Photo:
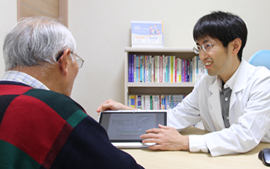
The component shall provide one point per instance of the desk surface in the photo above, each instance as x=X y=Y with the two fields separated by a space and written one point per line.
x=186 y=160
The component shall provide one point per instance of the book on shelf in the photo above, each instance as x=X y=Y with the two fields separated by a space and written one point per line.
x=160 y=69
x=164 y=69
x=132 y=101
x=142 y=68
x=147 y=33
x=156 y=68
x=155 y=102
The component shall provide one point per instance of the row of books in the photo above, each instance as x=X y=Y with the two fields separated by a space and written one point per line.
x=154 y=102
x=164 y=69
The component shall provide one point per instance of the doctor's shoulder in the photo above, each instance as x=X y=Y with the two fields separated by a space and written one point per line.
x=259 y=74
x=205 y=80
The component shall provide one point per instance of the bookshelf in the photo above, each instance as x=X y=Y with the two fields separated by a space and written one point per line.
x=154 y=88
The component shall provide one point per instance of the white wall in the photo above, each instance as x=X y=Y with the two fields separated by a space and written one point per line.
x=8 y=19
x=102 y=30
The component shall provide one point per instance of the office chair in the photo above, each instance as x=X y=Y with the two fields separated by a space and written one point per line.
x=261 y=58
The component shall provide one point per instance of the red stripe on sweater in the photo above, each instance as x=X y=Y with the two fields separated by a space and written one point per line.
x=31 y=125
x=13 y=89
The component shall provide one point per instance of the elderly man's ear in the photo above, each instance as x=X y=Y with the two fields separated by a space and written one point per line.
x=64 y=61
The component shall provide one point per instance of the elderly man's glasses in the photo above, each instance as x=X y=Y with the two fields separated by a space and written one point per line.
x=206 y=47
x=79 y=60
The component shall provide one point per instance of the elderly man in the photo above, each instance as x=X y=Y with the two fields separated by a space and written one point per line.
x=41 y=126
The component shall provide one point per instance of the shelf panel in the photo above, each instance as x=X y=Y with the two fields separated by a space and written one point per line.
x=183 y=53
x=150 y=84
x=159 y=90
x=167 y=49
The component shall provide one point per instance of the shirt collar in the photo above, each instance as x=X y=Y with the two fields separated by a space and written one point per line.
x=17 y=76
x=230 y=83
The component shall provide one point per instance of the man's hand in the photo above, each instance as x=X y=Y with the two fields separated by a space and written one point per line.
x=113 y=105
x=166 y=138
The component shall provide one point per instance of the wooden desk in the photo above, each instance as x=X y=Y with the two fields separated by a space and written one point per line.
x=186 y=160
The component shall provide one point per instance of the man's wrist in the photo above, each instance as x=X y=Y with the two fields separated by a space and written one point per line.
x=186 y=143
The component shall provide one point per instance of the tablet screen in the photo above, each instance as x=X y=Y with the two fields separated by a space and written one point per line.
x=129 y=126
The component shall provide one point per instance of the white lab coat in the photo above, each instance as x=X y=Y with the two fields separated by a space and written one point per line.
x=249 y=113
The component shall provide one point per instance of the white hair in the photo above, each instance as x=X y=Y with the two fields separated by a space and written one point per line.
x=35 y=41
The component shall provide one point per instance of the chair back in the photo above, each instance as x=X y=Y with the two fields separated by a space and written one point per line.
x=261 y=58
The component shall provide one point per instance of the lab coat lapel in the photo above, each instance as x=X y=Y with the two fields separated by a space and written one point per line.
x=240 y=82
x=215 y=107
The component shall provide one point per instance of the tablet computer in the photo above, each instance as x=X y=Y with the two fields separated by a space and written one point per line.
x=124 y=127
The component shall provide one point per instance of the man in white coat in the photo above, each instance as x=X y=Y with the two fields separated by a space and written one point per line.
x=232 y=100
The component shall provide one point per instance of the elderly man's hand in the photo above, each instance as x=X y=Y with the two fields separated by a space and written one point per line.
x=113 y=105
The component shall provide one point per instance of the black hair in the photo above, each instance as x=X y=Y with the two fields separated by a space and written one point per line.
x=222 y=25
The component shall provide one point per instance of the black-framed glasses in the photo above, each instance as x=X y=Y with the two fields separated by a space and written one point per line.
x=206 y=47
x=79 y=60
